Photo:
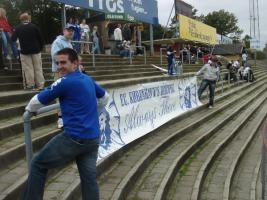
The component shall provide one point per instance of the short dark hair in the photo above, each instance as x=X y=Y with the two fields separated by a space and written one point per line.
x=71 y=53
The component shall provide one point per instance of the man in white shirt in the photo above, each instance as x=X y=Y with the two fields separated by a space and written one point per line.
x=118 y=37
x=244 y=59
x=118 y=34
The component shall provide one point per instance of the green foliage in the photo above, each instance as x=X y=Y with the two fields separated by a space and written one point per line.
x=265 y=49
x=157 y=30
x=261 y=55
x=246 y=40
x=225 y=23
x=45 y=14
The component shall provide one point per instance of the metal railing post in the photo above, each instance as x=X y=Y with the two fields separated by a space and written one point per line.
x=161 y=57
x=143 y=47
x=27 y=130
x=161 y=61
x=93 y=57
x=131 y=59
x=189 y=54
x=10 y=64
x=28 y=139
x=222 y=87
x=229 y=80
x=90 y=43
x=145 y=55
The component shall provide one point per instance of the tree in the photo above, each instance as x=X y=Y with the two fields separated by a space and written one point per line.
x=45 y=14
x=246 y=41
x=265 y=48
x=158 y=31
x=225 y=23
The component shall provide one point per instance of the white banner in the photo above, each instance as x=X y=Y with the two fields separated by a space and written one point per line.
x=137 y=110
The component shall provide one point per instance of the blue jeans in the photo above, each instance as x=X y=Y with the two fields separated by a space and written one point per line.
x=203 y=86
x=7 y=40
x=59 y=151
x=96 y=48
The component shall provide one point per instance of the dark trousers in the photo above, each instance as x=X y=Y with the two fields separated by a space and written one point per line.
x=170 y=66
x=60 y=151
x=204 y=84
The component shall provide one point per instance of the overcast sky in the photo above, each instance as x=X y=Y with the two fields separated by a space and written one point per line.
x=239 y=7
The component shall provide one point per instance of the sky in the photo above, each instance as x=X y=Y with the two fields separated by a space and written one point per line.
x=239 y=7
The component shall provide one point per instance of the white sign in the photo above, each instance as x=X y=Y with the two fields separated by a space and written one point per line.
x=137 y=110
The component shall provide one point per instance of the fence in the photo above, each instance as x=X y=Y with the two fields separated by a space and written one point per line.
x=89 y=43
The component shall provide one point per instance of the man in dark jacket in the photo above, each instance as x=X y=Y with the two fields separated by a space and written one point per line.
x=31 y=44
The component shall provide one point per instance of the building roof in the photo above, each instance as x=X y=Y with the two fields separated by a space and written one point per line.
x=228 y=49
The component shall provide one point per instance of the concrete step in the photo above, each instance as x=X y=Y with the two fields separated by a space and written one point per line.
x=249 y=164
x=16 y=96
x=62 y=172
x=202 y=158
x=14 y=126
x=224 y=164
x=18 y=85
x=152 y=166
x=4 y=95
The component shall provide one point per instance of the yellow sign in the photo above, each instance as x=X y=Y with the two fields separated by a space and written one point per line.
x=194 y=30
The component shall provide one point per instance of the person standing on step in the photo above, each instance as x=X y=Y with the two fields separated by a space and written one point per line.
x=171 y=60
x=210 y=73
x=77 y=36
x=31 y=44
x=6 y=35
x=118 y=38
x=80 y=100
x=61 y=42
x=85 y=37
x=95 y=38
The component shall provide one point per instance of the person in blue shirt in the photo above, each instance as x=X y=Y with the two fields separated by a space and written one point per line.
x=80 y=100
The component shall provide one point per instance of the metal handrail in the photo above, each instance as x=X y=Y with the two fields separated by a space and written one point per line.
x=143 y=47
x=27 y=129
x=161 y=55
x=90 y=43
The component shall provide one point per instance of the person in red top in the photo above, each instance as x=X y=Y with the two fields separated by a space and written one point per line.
x=206 y=58
x=6 y=35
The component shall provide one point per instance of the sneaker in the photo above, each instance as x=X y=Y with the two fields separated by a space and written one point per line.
x=8 y=57
x=5 y=68
x=59 y=123
x=210 y=107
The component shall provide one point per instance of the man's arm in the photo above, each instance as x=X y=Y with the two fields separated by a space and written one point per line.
x=46 y=96
x=34 y=104
x=102 y=97
x=201 y=70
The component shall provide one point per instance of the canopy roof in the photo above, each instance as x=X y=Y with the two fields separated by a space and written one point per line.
x=141 y=10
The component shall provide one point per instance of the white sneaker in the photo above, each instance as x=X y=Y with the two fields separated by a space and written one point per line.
x=59 y=123
x=8 y=57
x=210 y=107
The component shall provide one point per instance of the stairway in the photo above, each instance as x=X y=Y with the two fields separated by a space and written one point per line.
x=128 y=170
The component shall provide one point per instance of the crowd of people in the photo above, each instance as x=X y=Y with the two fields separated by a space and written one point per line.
x=239 y=71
